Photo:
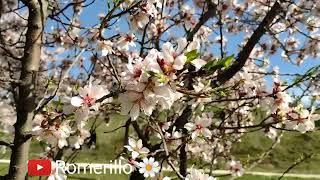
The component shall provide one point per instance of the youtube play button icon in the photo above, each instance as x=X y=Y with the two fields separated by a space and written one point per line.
x=39 y=167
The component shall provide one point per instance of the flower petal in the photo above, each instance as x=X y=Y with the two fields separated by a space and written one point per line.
x=206 y=132
x=198 y=63
x=139 y=144
x=76 y=101
x=179 y=62
x=145 y=160
x=190 y=126
x=182 y=43
x=146 y=174
x=151 y=160
x=134 y=154
x=152 y=174
x=135 y=111
x=132 y=143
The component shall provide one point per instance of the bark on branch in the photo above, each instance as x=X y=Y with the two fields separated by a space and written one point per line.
x=179 y=124
x=211 y=12
x=247 y=49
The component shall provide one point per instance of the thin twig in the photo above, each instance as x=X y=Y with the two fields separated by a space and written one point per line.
x=296 y=164
x=167 y=152
x=44 y=101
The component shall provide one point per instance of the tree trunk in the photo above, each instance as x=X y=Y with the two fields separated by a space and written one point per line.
x=26 y=103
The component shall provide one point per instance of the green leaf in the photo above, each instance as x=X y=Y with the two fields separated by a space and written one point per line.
x=161 y=77
x=222 y=94
x=225 y=62
x=151 y=73
x=192 y=55
x=59 y=104
x=212 y=66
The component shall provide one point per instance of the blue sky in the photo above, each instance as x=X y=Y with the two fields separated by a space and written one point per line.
x=89 y=17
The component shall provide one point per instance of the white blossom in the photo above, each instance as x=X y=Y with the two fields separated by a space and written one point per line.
x=198 y=175
x=136 y=148
x=199 y=127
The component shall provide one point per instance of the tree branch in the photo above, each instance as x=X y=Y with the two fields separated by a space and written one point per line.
x=211 y=12
x=3 y=143
x=304 y=158
x=246 y=51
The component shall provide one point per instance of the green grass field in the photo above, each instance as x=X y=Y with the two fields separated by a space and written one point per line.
x=291 y=148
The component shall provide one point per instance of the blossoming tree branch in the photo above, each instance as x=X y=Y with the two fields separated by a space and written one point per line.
x=191 y=78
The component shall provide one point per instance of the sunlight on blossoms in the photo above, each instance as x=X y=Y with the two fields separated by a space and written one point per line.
x=172 y=89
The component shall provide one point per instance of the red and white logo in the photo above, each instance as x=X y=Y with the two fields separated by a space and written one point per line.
x=39 y=167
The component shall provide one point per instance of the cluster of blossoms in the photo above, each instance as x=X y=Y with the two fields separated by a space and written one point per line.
x=148 y=166
x=51 y=129
x=200 y=127
x=146 y=11
x=55 y=133
x=284 y=111
x=154 y=85
x=56 y=127
x=235 y=168
x=301 y=119
x=151 y=82
x=87 y=98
